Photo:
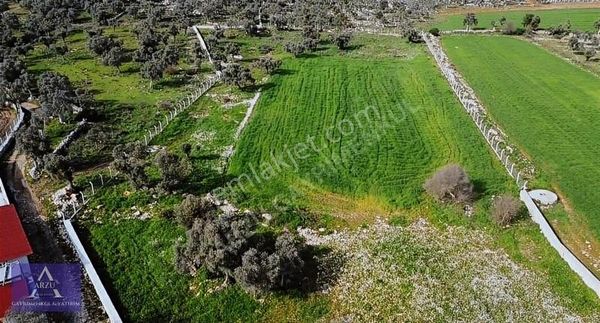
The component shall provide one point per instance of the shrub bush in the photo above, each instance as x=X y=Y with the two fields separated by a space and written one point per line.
x=434 y=31
x=450 y=184
x=505 y=209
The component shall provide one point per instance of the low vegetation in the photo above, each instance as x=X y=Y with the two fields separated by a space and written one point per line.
x=450 y=184
x=551 y=120
x=579 y=19
x=419 y=272
x=356 y=127
x=505 y=209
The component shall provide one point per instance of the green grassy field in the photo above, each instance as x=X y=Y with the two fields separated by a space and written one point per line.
x=420 y=127
x=123 y=97
x=137 y=257
x=415 y=127
x=549 y=107
x=581 y=19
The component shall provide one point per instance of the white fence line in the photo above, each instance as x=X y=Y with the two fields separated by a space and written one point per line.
x=70 y=137
x=475 y=109
x=7 y=137
x=3 y=197
x=107 y=303
x=181 y=106
x=4 y=143
x=589 y=279
x=202 y=42
x=477 y=112
x=251 y=105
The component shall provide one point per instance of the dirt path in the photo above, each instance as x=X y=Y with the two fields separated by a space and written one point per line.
x=45 y=237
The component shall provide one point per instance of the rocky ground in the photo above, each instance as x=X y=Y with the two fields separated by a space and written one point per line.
x=421 y=273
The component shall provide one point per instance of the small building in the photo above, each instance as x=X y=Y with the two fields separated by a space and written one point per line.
x=14 y=249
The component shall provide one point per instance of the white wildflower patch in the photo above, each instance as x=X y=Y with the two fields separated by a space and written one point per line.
x=421 y=273
x=204 y=136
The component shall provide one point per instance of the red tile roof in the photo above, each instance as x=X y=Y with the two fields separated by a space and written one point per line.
x=13 y=242
x=9 y=293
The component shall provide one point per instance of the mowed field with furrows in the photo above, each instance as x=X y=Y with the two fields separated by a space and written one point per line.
x=549 y=107
x=414 y=126
x=580 y=19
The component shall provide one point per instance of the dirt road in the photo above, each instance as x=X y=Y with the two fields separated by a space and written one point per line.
x=45 y=238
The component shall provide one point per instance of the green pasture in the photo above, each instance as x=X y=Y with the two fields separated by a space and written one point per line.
x=581 y=19
x=360 y=127
x=123 y=97
x=549 y=107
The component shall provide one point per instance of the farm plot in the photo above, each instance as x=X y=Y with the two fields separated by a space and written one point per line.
x=581 y=19
x=362 y=128
x=549 y=107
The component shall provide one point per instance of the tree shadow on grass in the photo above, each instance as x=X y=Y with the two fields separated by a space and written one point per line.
x=284 y=71
x=354 y=47
x=174 y=82
x=101 y=267
x=479 y=186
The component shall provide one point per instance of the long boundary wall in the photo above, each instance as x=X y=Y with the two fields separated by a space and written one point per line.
x=576 y=265
x=4 y=143
x=477 y=112
x=7 y=138
x=108 y=305
x=475 y=109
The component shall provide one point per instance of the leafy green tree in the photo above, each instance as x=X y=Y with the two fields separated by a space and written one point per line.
x=153 y=70
x=282 y=269
x=217 y=243
x=268 y=64
x=15 y=81
x=470 y=20
x=237 y=75
x=295 y=49
x=57 y=96
x=114 y=57
x=130 y=159
x=33 y=141
x=173 y=168
x=531 y=22
x=58 y=166
x=191 y=208
x=100 y=44
x=342 y=40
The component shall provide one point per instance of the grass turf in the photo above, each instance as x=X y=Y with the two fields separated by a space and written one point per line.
x=549 y=107
x=415 y=127
x=138 y=258
x=581 y=19
x=123 y=97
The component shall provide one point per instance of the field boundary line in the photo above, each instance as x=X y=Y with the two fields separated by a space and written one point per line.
x=466 y=95
x=107 y=303
x=589 y=279
x=467 y=98
x=9 y=135
x=251 y=104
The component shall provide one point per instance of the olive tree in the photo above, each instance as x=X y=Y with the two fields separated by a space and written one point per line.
x=130 y=159
x=470 y=20
x=450 y=184
x=505 y=209
x=173 y=169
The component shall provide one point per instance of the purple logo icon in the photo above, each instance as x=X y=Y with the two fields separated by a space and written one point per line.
x=49 y=288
